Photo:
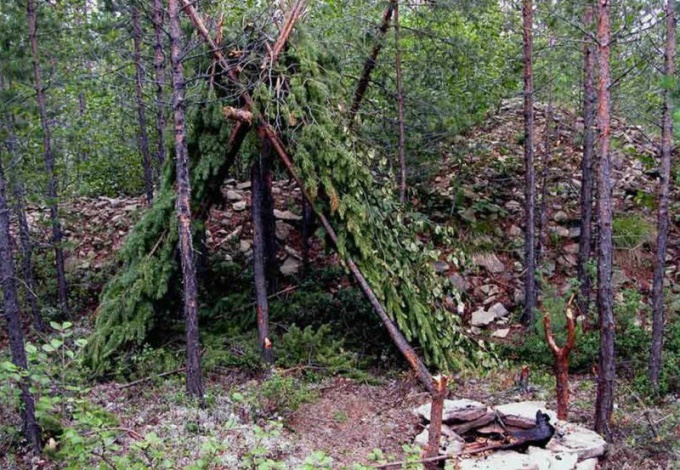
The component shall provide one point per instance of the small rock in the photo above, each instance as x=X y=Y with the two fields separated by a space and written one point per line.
x=489 y=261
x=513 y=206
x=239 y=206
x=234 y=195
x=523 y=414
x=245 y=246
x=559 y=231
x=498 y=310
x=286 y=215
x=459 y=282
x=502 y=333
x=574 y=232
x=568 y=260
x=454 y=410
x=573 y=438
x=244 y=185
x=290 y=266
x=572 y=248
x=283 y=230
x=560 y=216
x=292 y=252
x=515 y=231
x=441 y=266
x=482 y=318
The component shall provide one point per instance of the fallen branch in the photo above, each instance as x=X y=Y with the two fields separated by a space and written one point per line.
x=146 y=379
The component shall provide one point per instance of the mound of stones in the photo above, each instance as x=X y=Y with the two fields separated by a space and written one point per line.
x=470 y=424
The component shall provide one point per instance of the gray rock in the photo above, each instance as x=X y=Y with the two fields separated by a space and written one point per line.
x=548 y=460
x=441 y=266
x=244 y=185
x=292 y=252
x=290 y=266
x=245 y=245
x=234 y=195
x=505 y=460
x=523 y=414
x=502 y=333
x=283 y=230
x=286 y=215
x=588 y=464
x=576 y=439
x=568 y=260
x=482 y=318
x=454 y=410
x=513 y=206
x=515 y=231
x=560 y=231
x=239 y=206
x=574 y=232
x=450 y=443
x=560 y=216
x=498 y=310
x=489 y=261
x=459 y=282
x=571 y=248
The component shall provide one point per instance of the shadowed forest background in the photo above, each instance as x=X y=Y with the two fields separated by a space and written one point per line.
x=263 y=234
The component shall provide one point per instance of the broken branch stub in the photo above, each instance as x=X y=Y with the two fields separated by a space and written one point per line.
x=561 y=355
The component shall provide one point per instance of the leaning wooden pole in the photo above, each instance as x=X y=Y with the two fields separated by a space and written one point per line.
x=269 y=134
x=369 y=65
x=396 y=335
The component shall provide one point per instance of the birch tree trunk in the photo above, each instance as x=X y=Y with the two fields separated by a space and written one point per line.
x=607 y=372
x=664 y=191
x=48 y=153
x=183 y=204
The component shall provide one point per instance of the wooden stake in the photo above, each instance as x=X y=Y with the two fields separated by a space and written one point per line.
x=561 y=354
x=436 y=412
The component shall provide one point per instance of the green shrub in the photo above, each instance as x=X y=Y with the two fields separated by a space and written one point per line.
x=631 y=231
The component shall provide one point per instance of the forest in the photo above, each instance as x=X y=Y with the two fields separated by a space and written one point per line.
x=339 y=234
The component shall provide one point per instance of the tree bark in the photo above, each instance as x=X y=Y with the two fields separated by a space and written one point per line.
x=142 y=136
x=52 y=197
x=159 y=81
x=589 y=99
x=183 y=204
x=546 y=156
x=400 y=101
x=370 y=63
x=260 y=253
x=607 y=371
x=436 y=414
x=663 y=197
x=30 y=426
x=561 y=355
x=530 y=178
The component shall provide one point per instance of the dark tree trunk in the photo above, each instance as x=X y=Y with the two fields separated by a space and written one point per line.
x=400 y=101
x=664 y=190
x=159 y=80
x=307 y=222
x=268 y=220
x=589 y=99
x=546 y=156
x=370 y=63
x=260 y=252
x=142 y=137
x=194 y=384
x=530 y=179
x=52 y=197
x=31 y=429
x=607 y=372
x=24 y=231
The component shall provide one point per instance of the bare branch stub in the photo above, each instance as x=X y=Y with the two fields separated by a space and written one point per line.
x=561 y=355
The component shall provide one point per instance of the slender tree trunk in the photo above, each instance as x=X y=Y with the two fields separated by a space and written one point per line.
x=370 y=63
x=159 y=80
x=260 y=253
x=24 y=231
x=193 y=378
x=30 y=426
x=664 y=191
x=307 y=220
x=400 y=100
x=530 y=179
x=52 y=197
x=589 y=99
x=142 y=137
x=545 y=165
x=607 y=372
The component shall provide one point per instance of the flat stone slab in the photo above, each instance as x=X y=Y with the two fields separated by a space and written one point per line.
x=450 y=443
x=549 y=460
x=576 y=439
x=523 y=414
x=501 y=460
x=455 y=410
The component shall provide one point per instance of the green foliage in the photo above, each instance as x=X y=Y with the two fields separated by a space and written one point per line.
x=278 y=396
x=632 y=231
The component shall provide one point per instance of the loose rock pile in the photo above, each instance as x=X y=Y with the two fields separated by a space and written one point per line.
x=469 y=424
